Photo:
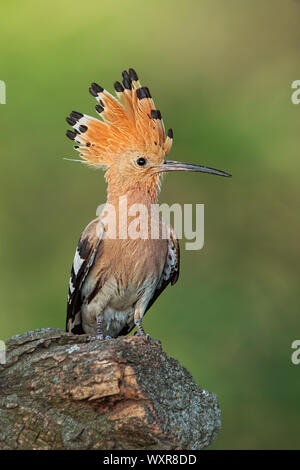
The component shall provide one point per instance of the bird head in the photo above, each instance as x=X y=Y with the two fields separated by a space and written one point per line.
x=129 y=139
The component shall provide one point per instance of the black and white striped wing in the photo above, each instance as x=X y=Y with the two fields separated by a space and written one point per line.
x=84 y=258
x=171 y=270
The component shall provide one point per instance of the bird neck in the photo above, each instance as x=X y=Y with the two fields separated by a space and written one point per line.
x=142 y=192
x=126 y=205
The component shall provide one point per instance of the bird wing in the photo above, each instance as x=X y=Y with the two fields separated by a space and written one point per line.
x=170 y=273
x=83 y=261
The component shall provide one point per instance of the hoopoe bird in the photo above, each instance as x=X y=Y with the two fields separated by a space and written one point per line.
x=115 y=280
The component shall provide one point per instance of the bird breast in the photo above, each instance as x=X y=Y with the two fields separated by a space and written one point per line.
x=125 y=272
x=132 y=263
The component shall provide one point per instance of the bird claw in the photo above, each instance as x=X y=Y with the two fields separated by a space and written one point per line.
x=94 y=338
x=146 y=336
x=101 y=337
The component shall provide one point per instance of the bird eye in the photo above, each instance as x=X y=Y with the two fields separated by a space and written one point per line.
x=141 y=161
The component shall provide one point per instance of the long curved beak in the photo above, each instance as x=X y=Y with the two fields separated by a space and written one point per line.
x=170 y=165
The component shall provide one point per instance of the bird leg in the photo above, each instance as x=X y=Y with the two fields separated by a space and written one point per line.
x=141 y=331
x=138 y=315
x=99 y=330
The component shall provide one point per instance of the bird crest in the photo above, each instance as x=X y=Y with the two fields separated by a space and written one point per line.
x=128 y=123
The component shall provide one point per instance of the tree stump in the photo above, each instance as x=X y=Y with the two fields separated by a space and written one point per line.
x=58 y=391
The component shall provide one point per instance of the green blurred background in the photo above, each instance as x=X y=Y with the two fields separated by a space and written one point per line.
x=221 y=74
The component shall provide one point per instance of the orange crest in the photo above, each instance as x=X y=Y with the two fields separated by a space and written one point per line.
x=129 y=123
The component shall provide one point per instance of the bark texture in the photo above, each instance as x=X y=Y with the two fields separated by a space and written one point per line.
x=58 y=391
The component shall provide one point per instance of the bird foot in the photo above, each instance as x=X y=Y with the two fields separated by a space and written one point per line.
x=101 y=337
x=146 y=336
